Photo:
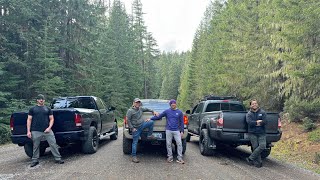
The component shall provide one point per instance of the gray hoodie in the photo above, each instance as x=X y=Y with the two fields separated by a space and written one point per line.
x=134 y=116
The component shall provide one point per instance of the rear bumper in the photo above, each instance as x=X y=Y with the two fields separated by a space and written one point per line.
x=62 y=138
x=239 y=138
x=128 y=135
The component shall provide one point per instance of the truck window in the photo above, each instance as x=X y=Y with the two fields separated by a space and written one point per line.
x=225 y=107
x=199 y=108
x=213 y=107
x=100 y=104
x=237 y=107
x=194 y=109
x=87 y=103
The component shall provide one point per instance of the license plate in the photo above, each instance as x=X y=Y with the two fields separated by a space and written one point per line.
x=157 y=135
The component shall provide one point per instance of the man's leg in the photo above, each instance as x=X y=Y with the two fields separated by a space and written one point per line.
x=135 y=139
x=169 y=143
x=177 y=138
x=53 y=145
x=36 y=138
x=258 y=145
x=149 y=125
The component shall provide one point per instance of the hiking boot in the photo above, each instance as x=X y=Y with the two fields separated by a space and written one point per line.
x=151 y=137
x=135 y=159
x=258 y=164
x=33 y=164
x=59 y=161
x=169 y=160
x=249 y=161
x=180 y=161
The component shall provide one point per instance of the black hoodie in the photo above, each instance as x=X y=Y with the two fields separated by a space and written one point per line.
x=252 y=118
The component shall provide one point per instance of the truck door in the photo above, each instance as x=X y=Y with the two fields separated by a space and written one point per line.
x=195 y=118
x=107 y=116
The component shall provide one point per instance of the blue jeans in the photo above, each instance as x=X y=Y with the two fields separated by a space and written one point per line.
x=137 y=134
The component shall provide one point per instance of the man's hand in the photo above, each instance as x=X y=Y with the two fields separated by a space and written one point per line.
x=181 y=133
x=134 y=129
x=147 y=119
x=29 y=134
x=155 y=113
x=47 y=130
x=259 y=122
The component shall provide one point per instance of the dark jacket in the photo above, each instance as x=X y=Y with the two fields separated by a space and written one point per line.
x=252 y=118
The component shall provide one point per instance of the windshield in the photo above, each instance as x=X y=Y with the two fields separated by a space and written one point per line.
x=156 y=105
x=73 y=102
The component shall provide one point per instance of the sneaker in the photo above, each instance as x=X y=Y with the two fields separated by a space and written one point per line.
x=59 y=161
x=249 y=161
x=180 y=161
x=33 y=164
x=169 y=160
x=135 y=159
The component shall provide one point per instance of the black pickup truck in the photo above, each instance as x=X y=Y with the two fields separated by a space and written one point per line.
x=79 y=120
x=222 y=121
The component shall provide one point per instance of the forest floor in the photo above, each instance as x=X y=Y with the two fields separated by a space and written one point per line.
x=296 y=147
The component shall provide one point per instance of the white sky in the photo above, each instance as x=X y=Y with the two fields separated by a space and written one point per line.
x=173 y=23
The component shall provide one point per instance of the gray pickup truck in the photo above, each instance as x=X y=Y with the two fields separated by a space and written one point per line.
x=222 y=120
x=159 y=128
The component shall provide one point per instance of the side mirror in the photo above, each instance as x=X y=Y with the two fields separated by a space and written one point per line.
x=188 y=112
x=111 y=108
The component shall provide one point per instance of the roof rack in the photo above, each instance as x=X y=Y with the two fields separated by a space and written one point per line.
x=214 y=97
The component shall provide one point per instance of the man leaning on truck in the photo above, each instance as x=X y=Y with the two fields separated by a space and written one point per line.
x=39 y=123
x=137 y=124
x=256 y=119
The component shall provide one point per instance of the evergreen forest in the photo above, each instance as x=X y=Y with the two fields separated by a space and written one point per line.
x=263 y=49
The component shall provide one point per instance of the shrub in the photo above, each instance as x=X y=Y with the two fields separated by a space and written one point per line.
x=4 y=133
x=317 y=158
x=314 y=135
x=308 y=124
x=299 y=109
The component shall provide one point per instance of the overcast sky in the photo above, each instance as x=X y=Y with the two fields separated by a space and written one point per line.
x=173 y=23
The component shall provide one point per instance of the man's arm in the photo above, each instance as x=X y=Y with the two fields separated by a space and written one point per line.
x=250 y=121
x=129 y=115
x=181 y=123
x=144 y=109
x=29 y=120
x=263 y=119
x=50 y=124
x=160 y=116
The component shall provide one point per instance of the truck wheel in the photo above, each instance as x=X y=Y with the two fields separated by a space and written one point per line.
x=265 y=153
x=126 y=145
x=184 y=145
x=28 y=149
x=204 y=143
x=115 y=130
x=188 y=137
x=91 y=144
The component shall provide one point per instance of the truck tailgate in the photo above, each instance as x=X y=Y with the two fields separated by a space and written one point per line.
x=235 y=122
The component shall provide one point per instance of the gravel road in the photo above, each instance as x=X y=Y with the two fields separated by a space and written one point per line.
x=110 y=163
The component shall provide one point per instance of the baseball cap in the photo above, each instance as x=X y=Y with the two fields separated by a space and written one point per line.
x=172 y=101
x=40 y=96
x=136 y=100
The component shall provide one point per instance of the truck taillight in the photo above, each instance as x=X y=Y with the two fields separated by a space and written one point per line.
x=125 y=122
x=185 y=120
x=11 y=123
x=279 y=123
x=77 y=119
x=220 y=123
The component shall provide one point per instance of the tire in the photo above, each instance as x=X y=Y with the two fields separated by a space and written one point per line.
x=184 y=145
x=204 y=143
x=28 y=149
x=126 y=145
x=188 y=137
x=115 y=130
x=91 y=144
x=265 y=153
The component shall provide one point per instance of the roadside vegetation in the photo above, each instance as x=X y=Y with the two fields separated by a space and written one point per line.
x=268 y=50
